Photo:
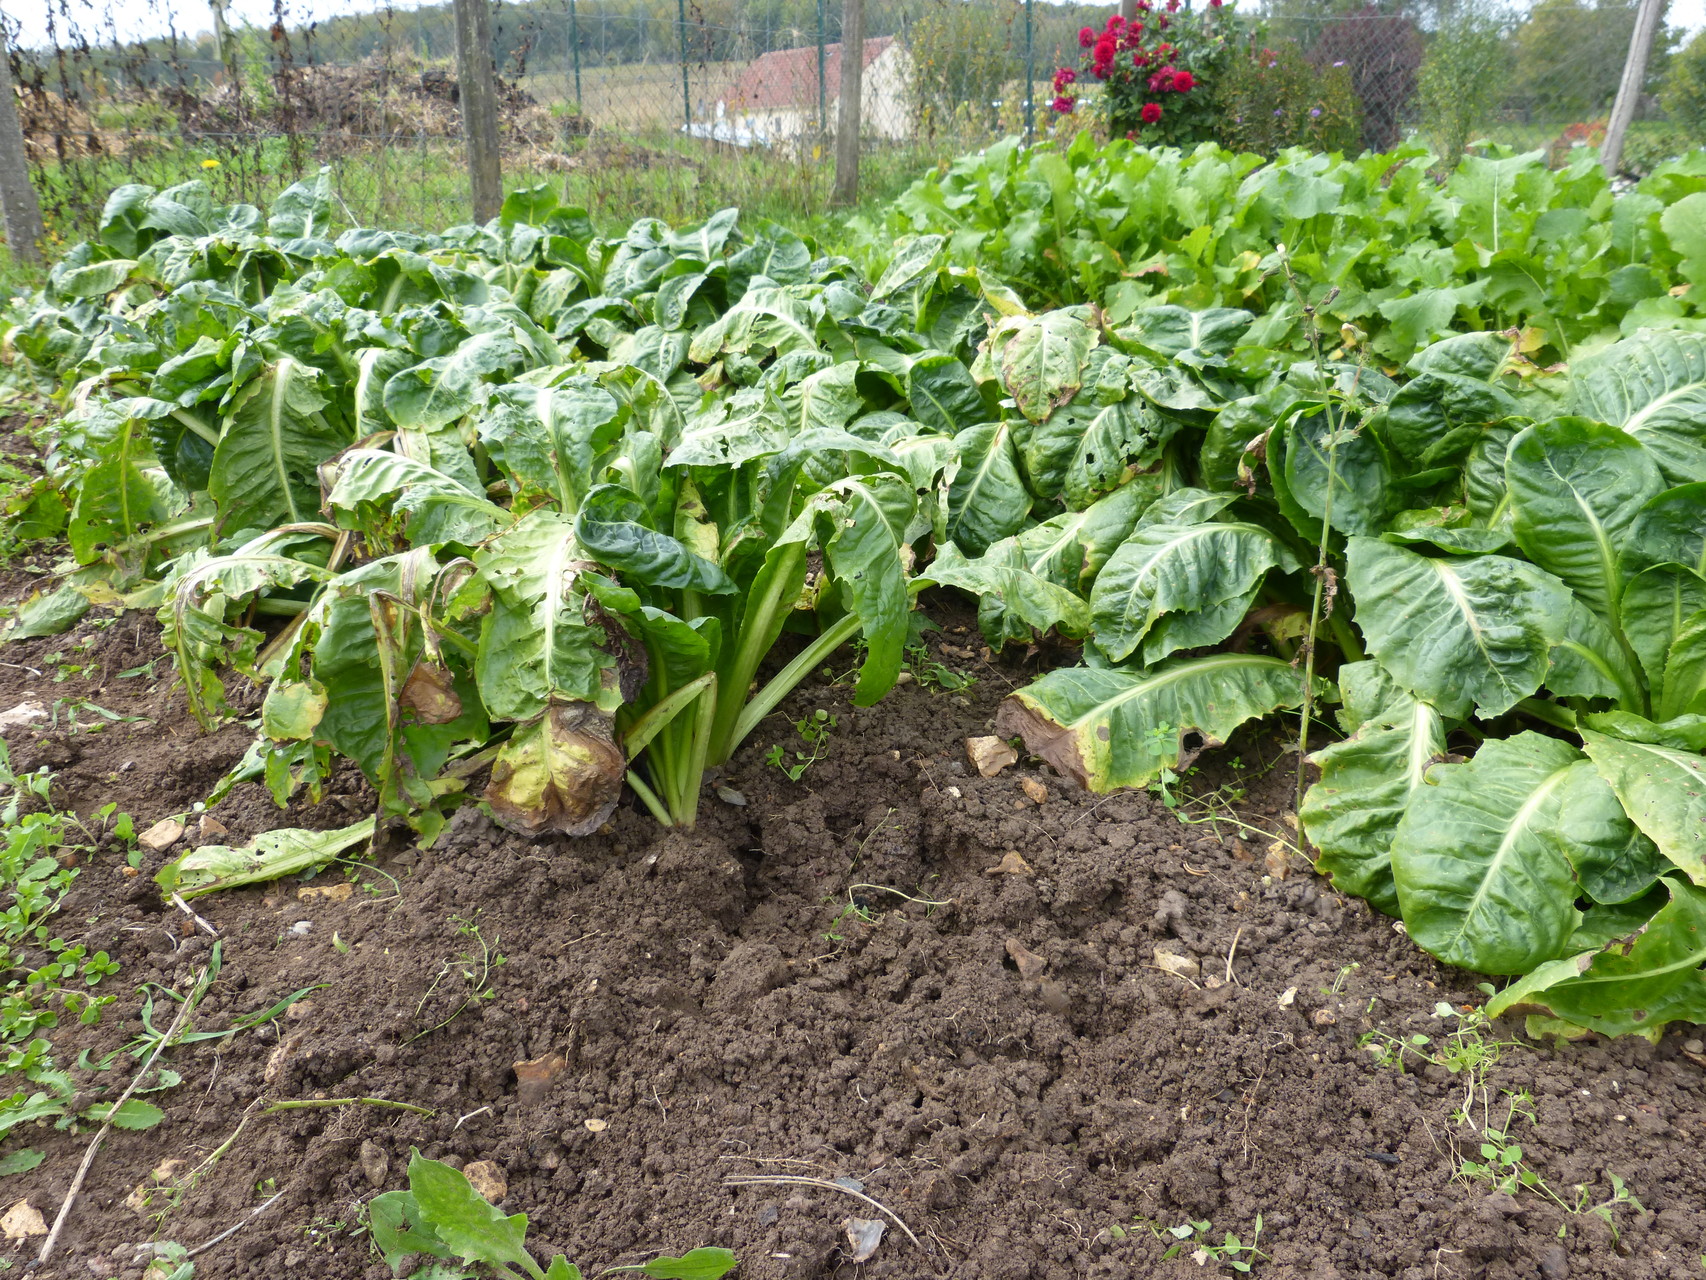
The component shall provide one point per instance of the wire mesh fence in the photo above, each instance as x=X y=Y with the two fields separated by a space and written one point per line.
x=676 y=107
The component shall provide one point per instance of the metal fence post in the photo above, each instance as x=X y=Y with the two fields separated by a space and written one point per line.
x=686 y=97
x=1030 y=78
x=575 y=48
x=822 y=93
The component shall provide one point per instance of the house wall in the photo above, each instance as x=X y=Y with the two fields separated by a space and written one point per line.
x=886 y=96
x=886 y=108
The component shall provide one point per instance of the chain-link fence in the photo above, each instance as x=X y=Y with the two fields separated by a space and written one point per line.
x=676 y=107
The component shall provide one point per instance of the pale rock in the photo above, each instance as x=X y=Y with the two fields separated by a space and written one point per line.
x=990 y=755
x=162 y=835
x=487 y=1177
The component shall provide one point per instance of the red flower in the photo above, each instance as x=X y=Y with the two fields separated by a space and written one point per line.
x=1104 y=51
x=1162 y=22
x=1086 y=37
x=1172 y=6
x=1214 y=4
x=1064 y=104
x=1162 y=80
x=1064 y=77
x=1183 y=82
x=1151 y=112
x=1115 y=23
x=1140 y=59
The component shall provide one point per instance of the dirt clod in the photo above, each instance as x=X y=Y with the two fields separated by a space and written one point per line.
x=487 y=1177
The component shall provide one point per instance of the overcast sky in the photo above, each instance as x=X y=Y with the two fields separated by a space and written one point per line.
x=133 y=18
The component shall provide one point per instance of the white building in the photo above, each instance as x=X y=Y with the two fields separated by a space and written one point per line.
x=776 y=100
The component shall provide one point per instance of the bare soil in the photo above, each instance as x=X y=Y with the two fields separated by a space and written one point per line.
x=824 y=982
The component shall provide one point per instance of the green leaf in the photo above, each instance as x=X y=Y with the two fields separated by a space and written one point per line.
x=1653 y=386
x=536 y=646
x=867 y=555
x=470 y=1228
x=1109 y=728
x=1361 y=476
x=1684 y=689
x=438 y=391
x=1657 y=604
x=552 y=440
x=1367 y=781
x=1042 y=363
x=1630 y=985
x=1481 y=857
x=20 y=1161
x=610 y=528
x=400 y=1229
x=1590 y=660
x=943 y=395
x=1004 y=576
x=48 y=615
x=987 y=500
x=264 y=469
x=270 y=855
x=371 y=485
x=1576 y=487
x=1669 y=530
x=1457 y=632
x=700 y=1264
x=1456 y=394
x=1168 y=568
x=562 y=1269
x=133 y=1113
x=1664 y=791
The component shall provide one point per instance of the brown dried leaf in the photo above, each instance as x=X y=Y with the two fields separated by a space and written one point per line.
x=1177 y=965
x=1277 y=863
x=534 y=1077
x=330 y=892
x=1031 y=965
x=430 y=693
x=561 y=773
x=1011 y=864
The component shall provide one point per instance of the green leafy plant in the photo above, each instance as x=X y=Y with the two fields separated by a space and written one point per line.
x=442 y=1216
x=1273 y=97
x=1193 y=1236
x=814 y=730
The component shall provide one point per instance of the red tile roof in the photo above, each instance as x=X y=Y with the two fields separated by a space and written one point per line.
x=788 y=77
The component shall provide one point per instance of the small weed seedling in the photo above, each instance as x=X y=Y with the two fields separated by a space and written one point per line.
x=925 y=669
x=1503 y=1168
x=1468 y=1050
x=815 y=730
x=1194 y=1235
x=442 y=1216
x=475 y=972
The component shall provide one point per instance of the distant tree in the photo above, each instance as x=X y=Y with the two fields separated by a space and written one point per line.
x=1569 y=58
x=963 y=58
x=1684 y=93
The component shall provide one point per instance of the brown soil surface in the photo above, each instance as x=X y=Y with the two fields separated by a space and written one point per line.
x=826 y=982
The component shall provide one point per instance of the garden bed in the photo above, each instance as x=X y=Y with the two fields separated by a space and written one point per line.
x=755 y=997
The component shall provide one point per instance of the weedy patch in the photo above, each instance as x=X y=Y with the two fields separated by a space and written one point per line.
x=442 y=1216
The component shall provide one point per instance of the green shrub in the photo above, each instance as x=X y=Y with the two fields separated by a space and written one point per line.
x=1463 y=78
x=1274 y=98
x=1684 y=94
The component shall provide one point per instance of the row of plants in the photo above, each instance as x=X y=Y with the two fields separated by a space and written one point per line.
x=1503 y=242
x=526 y=502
